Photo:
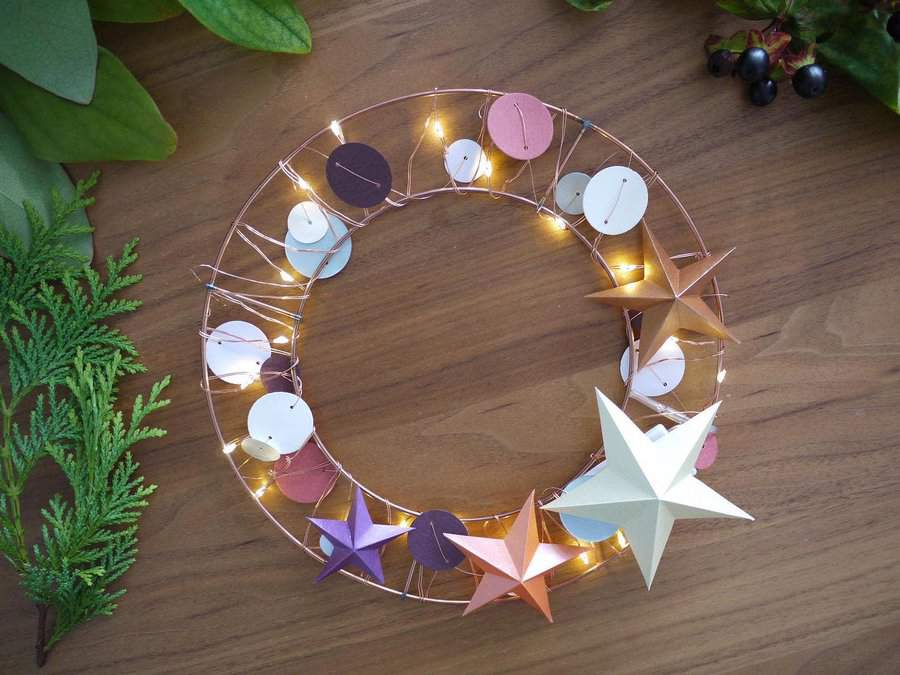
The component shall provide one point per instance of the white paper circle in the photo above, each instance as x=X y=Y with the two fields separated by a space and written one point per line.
x=615 y=200
x=465 y=161
x=259 y=450
x=307 y=222
x=661 y=375
x=236 y=350
x=282 y=420
x=326 y=546
x=307 y=261
x=570 y=192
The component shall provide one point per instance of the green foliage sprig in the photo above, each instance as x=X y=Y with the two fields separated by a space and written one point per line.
x=74 y=101
x=63 y=365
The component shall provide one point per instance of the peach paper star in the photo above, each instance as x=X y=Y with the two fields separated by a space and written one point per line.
x=516 y=564
x=669 y=298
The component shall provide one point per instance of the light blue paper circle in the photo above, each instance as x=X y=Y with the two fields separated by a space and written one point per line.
x=326 y=546
x=585 y=529
x=307 y=261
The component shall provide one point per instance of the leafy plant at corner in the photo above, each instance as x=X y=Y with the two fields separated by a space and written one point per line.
x=590 y=5
x=851 y=35
x=859 y=37
x=64 y=364
x=74 y=101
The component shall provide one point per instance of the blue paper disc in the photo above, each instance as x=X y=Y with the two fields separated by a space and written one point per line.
x=585 y=529
x=307 y=260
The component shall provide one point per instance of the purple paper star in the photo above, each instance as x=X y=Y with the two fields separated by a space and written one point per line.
x=357 y=541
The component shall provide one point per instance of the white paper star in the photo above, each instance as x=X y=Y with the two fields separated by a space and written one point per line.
x=647 y=485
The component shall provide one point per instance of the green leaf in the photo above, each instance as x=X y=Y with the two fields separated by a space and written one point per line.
x=862 y=47
x=122 y=122
x=735 y=44
x=24 y=177
x=590 y=5
x=754 y=9
x=52 y=44
x=135 y=11
x=810 y=19
x=267 y=25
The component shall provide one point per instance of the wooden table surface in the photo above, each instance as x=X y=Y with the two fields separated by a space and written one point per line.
x=807 y=191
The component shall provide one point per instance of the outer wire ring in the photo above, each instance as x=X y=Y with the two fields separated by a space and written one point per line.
x=421 y=195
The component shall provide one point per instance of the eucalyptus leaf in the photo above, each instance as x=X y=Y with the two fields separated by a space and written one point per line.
x=26 y=178
x=121 y=122
x=862 y=47
x=52 y=44
x=754 y=9
x=135 y=11
x=268 y=25
x=591 y=5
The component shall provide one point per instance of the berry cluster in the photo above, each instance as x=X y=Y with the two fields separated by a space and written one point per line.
x=893 y=26
x=762 y=58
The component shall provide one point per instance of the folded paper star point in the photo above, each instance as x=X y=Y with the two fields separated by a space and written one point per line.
x=357 y=541
x=516 y=564
x=669 y=298
x=647 y=485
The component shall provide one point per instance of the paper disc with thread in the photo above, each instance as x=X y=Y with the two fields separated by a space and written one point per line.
x=307 y=222
x=465 y=161
x=520 y=126
x=570 y=192
x=275 y=373
x=281 y=420
x=586 y=529
x=358 y=174
x=663 y=372
x=427 y=543
x=259 y=450
x=708 y=452
x=305 y=476
x=615 y=200
x=305 y=258
x=236 y=350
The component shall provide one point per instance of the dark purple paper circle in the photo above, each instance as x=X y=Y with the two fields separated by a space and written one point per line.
x=427 y=543
x=306 y=475
x=275 y=373
x=358 y=174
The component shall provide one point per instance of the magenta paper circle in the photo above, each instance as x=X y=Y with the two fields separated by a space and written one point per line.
x=520 y=125
x=305 y=476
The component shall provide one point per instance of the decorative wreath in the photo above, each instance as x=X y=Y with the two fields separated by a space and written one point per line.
x=575 y=177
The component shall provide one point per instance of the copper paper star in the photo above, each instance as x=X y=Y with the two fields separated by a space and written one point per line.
x=669 y=298
x=516 y=564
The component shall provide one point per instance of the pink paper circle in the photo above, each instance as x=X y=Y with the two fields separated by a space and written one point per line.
x=520 y=125
x=306 y=475
x=708 y=453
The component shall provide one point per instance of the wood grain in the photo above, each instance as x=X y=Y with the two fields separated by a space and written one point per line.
x=806 y=190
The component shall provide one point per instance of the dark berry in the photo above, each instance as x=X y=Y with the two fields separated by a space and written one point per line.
x=753 y=65
x=809 y=81
x=893 y=26
x=720 y=63
x=763 y=92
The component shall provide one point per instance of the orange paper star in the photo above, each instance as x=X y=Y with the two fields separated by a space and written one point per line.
x=669 y=298
x=516 y=564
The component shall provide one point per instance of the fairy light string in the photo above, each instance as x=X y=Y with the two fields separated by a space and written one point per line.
x=263 y=304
